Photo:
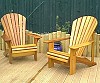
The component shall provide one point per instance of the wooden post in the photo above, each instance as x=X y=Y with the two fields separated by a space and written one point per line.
x=67 y=43
x=45 y=47
x=26 y=37
x=39 y=45
x=98 y=43
x=89 y=50
x=54 y=35
x=31 y=39
x=42 y=44
x=63 y=42
x=92 y=49
x=50 y=36
x=58 y=34
x=85 y=53
x=0 y=40
x=95 y=46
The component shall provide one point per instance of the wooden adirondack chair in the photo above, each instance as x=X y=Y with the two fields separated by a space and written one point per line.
x=82 y=31
x=14 y=35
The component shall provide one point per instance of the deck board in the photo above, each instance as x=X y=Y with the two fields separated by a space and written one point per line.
x=23 y=70
x=60 y=74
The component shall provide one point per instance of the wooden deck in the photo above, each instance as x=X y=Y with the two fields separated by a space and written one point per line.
x=26 y=70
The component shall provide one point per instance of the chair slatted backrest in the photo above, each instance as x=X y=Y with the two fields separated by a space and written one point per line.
x=82 y=30
x=14 y=27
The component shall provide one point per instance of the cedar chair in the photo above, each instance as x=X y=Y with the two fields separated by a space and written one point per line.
x=82 y=35
x=14 y=35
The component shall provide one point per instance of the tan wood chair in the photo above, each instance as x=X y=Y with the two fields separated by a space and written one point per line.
x=82 y=35
x=14 y=35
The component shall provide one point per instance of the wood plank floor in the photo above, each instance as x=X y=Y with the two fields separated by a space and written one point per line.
x=26 y=70
x=22 y=70
x=60 y=74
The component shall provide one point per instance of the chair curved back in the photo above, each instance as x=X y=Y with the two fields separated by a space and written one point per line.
x=14 y=27
x=82 y=30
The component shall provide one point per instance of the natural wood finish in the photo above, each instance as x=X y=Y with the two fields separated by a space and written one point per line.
x=72 y=61
x=21 y=46
x=85 y=61
x=51 y=46
x=81 y=45
x=10 y=52
x=82 y=30
x=55 y=40
x=5 y=38
x=14 y=35
x=60 y=59
x=58 y=55
x=36 y=37
x=14 y=54
x=50 y=62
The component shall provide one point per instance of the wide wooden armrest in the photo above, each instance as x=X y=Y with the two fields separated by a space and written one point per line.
x=34 y=35
x=5 y=38
x=55 y=40
x=81 y=45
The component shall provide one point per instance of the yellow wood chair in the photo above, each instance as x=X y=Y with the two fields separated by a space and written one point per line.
x=82 y=31
x=14 y=35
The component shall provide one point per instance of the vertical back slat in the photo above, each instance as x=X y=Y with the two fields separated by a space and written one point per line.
x=73 y=32
x=85 y=30
x=82 y=32
x=12 y=15
x=93 y=24
x=17 y=28
x=8 y=19
x=20 y=28
x=24 y=28
x=14 y=26
x=4 y=25
x=78 y=24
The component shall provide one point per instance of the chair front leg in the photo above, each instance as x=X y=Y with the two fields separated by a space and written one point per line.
x=35 y=56
x=6 y=51
x=50 y=63
x=72 y=61
x=10 y=52
x=10 y=56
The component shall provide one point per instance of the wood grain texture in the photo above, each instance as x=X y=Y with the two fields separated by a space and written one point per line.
x=82 y=30
x=14 y=35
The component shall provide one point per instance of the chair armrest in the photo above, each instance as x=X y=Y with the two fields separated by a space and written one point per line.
x=34 y=35
x=81 y=45
x=5 y=38
x=55 y=40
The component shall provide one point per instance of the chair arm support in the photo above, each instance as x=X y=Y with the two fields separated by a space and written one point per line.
x=81 y=45
x=55 y=40
x=51 y=43
x=5 y=38
x=34 y=35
